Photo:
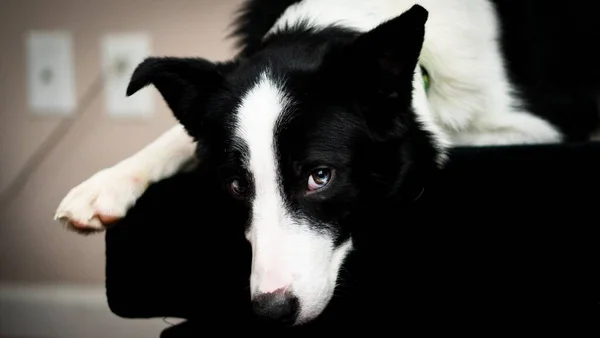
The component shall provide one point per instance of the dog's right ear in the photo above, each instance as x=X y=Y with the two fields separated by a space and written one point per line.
x=184 y=83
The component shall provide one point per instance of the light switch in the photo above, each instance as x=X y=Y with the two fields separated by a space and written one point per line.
x=50 y=73
x=121 y=53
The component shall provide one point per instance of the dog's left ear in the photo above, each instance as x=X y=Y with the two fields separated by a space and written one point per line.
x=185 y=84
x=386 y=56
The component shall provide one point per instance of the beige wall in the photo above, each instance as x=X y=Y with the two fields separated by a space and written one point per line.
x=33 y=248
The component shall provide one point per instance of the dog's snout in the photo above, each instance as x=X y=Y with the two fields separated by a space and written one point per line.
x=278 y=307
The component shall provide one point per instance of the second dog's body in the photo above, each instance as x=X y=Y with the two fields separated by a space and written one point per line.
x=471 y=97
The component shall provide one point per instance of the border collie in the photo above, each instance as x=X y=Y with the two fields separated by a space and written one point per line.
x=331 y=107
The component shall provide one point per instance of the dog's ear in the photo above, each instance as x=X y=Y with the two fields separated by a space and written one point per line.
x=393 y=48
x=386 y=56
x=377 y=69
x=184 y=83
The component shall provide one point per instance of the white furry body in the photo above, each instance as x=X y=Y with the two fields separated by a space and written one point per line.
x=471 y=98
x=470 y=102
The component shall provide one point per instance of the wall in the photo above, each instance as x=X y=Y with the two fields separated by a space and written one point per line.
x=52 y=280
x=34 y=248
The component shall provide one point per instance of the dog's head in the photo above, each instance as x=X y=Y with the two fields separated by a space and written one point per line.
x=305 y=135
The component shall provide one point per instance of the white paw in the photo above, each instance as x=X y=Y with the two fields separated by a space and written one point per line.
x=101 y=200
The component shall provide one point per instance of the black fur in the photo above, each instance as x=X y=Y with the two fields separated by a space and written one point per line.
x=351 y=111
x=551 y=53
x=253 y=21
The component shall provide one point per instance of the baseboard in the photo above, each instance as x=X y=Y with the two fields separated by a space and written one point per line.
x=67 y=311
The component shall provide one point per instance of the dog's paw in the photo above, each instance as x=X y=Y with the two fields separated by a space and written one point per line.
x=101 y=200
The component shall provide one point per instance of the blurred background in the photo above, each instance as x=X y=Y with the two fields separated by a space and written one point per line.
x=62 y=67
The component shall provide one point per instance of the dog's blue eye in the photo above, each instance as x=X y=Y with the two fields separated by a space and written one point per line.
x=319 y=178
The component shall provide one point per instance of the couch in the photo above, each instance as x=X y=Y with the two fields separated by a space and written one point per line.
x=504 y=241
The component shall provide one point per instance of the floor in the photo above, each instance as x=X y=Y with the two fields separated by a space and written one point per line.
x=63 y=311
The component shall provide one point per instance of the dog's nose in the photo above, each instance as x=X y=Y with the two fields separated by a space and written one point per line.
x=278 y=307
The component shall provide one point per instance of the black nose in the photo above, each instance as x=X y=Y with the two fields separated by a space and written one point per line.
x=277 y=307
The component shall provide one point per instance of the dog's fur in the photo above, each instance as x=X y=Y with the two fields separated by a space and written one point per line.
x=323 y=117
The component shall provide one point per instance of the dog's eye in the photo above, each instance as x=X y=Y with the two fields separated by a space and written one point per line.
x=319 y=178
x=237 y=188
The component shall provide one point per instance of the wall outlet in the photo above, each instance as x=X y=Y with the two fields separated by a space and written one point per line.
x=50 y=73
x=121 y=53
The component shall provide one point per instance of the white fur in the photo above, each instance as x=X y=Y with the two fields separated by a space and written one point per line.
x=470 y=96
x=112 y=191
x=286 y=252
x=426 y=119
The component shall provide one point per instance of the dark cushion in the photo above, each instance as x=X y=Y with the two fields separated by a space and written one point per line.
x=505 y=240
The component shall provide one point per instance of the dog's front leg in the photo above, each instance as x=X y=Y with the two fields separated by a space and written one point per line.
x=106 y=196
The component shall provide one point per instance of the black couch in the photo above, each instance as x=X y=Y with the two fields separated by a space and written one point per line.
x=506 y=240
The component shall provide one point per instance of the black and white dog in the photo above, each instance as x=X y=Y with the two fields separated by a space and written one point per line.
x=330 y=108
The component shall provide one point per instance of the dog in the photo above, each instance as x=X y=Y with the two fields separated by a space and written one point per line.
x=330 y=110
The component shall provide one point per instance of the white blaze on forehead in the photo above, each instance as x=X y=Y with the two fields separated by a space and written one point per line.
x=257 y=118
x=287 y=251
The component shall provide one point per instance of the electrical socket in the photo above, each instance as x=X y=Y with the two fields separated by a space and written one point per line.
x=121 y=53
x=50 y=73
